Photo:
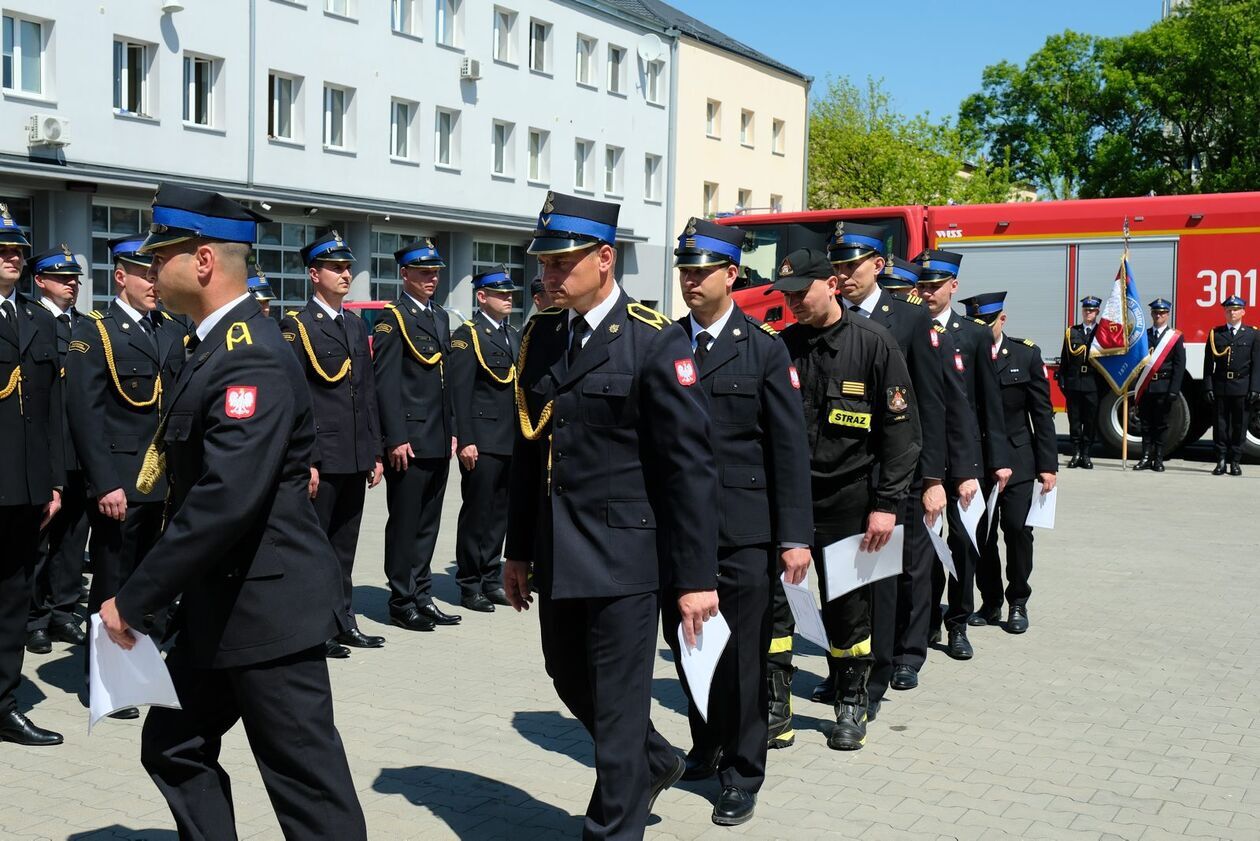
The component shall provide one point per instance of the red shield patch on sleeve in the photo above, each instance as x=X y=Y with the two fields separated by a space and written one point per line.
x=936 y=342
x=685 y=370
x=794 y=377
x=240 y=401
x=1045 y=372
x=958 y=363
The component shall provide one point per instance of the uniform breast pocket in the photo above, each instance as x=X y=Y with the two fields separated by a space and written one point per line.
x=136 y=376
x=179 y=427
x=848 y=411
x=606 y=399
x=734 y=401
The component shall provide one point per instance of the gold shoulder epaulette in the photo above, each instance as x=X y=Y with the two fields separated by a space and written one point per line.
x=166 y=315
x=936 y=325
x=914 y=299
x=550 y=311
x=390 y=305
x=468 y=323
x=766 y=328
x=292 y=313
x=646 y=314
x=1030 y=342
x=97 y=314
x=978 y=321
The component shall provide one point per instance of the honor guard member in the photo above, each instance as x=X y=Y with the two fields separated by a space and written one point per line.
x=411 y=343
x=34 y=466
x=331 y=344
x=1082 y=386
x=971 y=342
x=1231 y=371
x=863 y=432
x=538 y=293
x=59 y=568
x=121 y=362
x=482 y=377
x=260 y=288
x=242 y=544
x=611 y=504
x=763 y=505
x=1168 y=364
x=1034 y=454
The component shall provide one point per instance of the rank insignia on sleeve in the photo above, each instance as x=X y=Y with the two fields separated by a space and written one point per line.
x=794 y=377
x=849 y=388
x=289 y=337
x=240 y=401
x=897 y=399
x=936 y=342
x=685 y=371
x=81 y=347
x=383 y=328
x=958 y=362
x=459 y=344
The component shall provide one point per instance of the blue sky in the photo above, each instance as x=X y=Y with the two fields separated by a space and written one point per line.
x=929 y=53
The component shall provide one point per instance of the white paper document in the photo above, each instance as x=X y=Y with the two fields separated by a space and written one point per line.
x=936 y=535
x=699 y=663
x=971 y=516
x=1041 y=513
x=849 y=568
x=118 y=678
x=992 y=506
x=805 y=611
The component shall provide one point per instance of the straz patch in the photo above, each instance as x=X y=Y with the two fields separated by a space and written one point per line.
x=794 y=377
x=856 y=420
x=685 y=370
x=240 y=401
x=958 y=363
x=897 y=399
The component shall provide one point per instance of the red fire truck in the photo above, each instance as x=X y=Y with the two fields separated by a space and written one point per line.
x=1193 y=250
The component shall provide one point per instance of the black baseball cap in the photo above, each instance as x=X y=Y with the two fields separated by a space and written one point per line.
x=801 y=268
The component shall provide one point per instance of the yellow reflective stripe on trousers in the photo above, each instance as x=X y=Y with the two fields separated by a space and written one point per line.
x=778 y=645
x=862 y=649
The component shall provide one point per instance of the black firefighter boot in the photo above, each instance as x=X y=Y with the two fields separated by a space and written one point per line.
x=781 y=734
x=851 y=703
x=1145 y=462
x=825 y=691
x=1157 y=463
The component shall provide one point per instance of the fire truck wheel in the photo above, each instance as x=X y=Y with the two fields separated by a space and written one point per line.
x=1251 y=444
x=1111 y=425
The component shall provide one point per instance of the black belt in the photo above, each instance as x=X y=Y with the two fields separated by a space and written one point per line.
x=1161 y=375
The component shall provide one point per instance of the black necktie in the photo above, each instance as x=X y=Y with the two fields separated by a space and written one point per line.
x=10 y=321
x=64 y=318
x=340 y=321
x=507 y=336
x=855 y=308
x=191 y=347
x=702 y=346
x=577 y=331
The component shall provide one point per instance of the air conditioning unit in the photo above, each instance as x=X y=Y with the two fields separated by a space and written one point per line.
x=470 y=69
x=48 y=130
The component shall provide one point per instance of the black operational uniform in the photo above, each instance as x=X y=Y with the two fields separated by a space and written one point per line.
x=332 y=348
x=1082 y=387
x=411 y=343
x=34 y=469
x=1029 y=418
x=863 y=432
x=612 y=491
x=1231 y=372
x=1163 y=384
x=482 y=374
x=763 y=505
x=259 y=578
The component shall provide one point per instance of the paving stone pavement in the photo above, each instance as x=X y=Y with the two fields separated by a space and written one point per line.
x=1128 y=711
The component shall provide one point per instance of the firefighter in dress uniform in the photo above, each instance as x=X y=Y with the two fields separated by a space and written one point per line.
x=1231 y=371
x=1081 y=384
x=260 y=288
x=1164 y=384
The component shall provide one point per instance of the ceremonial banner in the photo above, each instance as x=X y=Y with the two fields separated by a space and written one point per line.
x=1119 y=347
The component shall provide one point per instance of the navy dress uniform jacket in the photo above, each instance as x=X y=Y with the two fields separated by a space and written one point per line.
x=1075 y=372
x=1169 y=377
x=111 y=433
x=758 y=436
x=415 y=403
x=64 y=336
x=31 y=413
x=242 y=542
x=1029 y=416
x=1231 y=362
x=615 y=497
x=482 y=386
x=347 y=432
x=973 y=358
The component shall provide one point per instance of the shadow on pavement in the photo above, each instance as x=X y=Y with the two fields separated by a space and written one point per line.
x=117 y=831
x=463 y=799
x=372 y=602
x=65 y=672
x=554 y=732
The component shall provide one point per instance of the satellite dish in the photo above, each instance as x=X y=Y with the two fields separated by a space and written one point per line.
x=650 y=48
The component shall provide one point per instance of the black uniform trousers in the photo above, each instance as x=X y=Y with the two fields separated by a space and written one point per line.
x=1082 y=411
x=739 y=703
x=605 y=648
x=482 y=525
x=1229 y=427
x=1013 y=505
x=414 y=497
x=1153 y=411
x=962 y=597
x=901 y=605
x=286 y=707
x=19 y=525
x=58 y=572
x=339 y=506
x=117 y=548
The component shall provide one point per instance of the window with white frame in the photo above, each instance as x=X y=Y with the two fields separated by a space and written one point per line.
x=616 y=70
x=582 y=164
x=403 y=17
x=109 y=221
x=341 y=8
x=612 y=170
x=277 y=252
x=539 y=46
x=337 y=126
x=776 y=203
x=446 y=137
x=713 y=118
x=491 y=255
x=282 y=115
x=652 y=177
x=777 y=132
x=503 y=160
x=199 y=76
x=539 y=154
x=586 y=60
x=23 y=54
x=131 y=77
x=710 y=199
x=745 y=199
x=653 y=87
x=402 y=114
x=449 y=18
x=504 y=35
x=746 y=127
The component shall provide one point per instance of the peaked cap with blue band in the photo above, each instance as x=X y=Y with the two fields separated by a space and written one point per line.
x=330 y=248
x=852 y=241
x=1161 y=305
x=1091 y=301
x=257 y=284
x=59 y=260
x=10 y=233
x=985 y=306
x=937 y=265
x=182 y=213
x=421 y=254
x=898 y=274
x=1233 y=301
x=128 y=248
x=498 y=279
x=568 y=223
x=703 y=244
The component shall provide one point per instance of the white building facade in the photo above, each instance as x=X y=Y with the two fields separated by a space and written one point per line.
x=389 y=120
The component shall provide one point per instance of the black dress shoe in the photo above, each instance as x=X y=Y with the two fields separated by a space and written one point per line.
x=666 y=780
x=20 y=730
x=904 y=677
x=68 y=632
x=38 y=642
x=734 y=806
x=1087 y=462
x=701 y=763
x=477 y=602
x=985 y=616
x=1017 y=622
x=125 y=714
x=499 y=597
x=412 y=620
x=1234 y=469
x=959 y=647
x=434 y=613
x=357 y=639
x=333 y=650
